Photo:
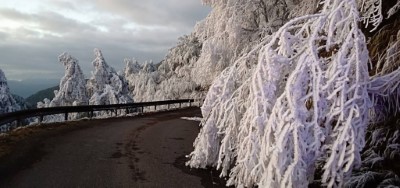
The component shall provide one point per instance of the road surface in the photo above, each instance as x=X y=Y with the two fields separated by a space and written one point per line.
x=145 y=151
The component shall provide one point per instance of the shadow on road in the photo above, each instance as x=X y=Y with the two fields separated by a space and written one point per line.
x=142 y=151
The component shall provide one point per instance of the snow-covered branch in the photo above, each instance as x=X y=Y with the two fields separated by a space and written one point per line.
x=308 y=102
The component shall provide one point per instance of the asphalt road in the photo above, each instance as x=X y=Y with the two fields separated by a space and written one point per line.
x=146 y=151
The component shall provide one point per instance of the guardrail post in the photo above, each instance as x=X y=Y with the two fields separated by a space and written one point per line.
x=116 y=112
x=127 y=111
x=41 y=119
x=180 y=105
x=19 y=122
x=66 y=116
x=190 y=103
x=168 y=106
x=91 y=114
x=155 y=107
x=142 y=109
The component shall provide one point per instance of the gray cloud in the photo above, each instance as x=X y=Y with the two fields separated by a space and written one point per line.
x=3 y=36
x=141 y=29
x=167 y=12
x=47 y=21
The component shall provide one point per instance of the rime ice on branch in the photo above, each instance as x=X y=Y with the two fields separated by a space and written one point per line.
x=308 y=105
x=372 y=12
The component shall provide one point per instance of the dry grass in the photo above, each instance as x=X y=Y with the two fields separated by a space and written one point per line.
x=380 y=41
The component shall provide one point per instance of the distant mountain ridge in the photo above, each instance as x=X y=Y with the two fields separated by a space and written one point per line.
x=26 y=88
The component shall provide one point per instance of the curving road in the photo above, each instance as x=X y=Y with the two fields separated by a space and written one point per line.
x=145 y=151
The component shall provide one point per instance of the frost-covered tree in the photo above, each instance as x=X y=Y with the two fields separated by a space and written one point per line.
x=185 y=53
x=72 y=90
x=382 y=148
x=72 y=86
x=175 y=72
x=21 y=102
x=7 y=101
x=45 y=103
x=231 y=29
x=131 y=71
x=170 y=79
x=106 y=86
x=132 y=66
x=142 y=80
x=149 y=66
x=307 y=108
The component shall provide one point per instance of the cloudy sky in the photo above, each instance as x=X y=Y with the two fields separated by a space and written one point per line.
x=34 y=32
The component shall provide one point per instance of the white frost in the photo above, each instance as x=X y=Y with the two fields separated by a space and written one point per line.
x=7 y=101
x=106 y=86
x=305 y=103
x=192 y=118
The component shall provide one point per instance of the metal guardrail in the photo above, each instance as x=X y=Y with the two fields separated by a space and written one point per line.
x=21 y=116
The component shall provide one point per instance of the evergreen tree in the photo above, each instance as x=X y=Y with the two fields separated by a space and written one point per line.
x=72 y=86
x=7 y=101
x=106 y=86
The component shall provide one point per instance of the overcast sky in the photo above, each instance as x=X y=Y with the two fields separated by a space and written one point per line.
x=34 y=32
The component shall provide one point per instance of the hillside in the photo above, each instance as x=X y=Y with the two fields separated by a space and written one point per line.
x=41 y=95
